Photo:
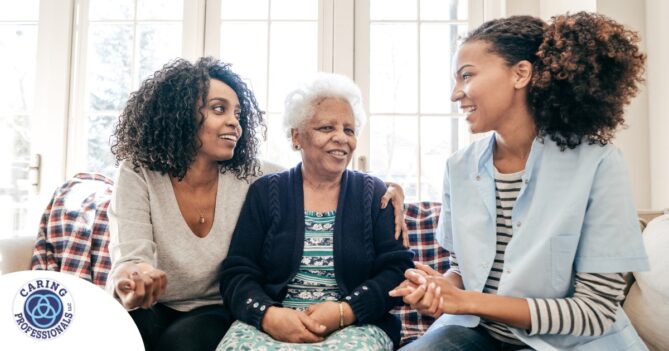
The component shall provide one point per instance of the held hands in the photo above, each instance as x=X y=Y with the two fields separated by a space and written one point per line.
x=138 y=284
x=428 y=292
x=395 y=194
x=288 y=325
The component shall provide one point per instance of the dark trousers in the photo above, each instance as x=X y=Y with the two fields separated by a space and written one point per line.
x=164 y=329
x=458 y=338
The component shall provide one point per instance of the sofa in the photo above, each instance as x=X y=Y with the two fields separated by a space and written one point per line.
x=73 y=237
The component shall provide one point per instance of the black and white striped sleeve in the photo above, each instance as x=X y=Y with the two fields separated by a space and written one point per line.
x=590 y=312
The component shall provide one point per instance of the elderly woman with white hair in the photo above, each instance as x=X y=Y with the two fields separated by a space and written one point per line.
x=313 y=257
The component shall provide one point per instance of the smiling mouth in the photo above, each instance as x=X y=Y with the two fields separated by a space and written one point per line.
x=229 y=137
x=338 y=153
x=468 y=109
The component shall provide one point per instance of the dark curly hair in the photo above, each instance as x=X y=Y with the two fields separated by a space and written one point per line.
x=158 y=126
x=586 y=68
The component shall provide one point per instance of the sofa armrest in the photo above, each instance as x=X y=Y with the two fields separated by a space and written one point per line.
x=16 y=254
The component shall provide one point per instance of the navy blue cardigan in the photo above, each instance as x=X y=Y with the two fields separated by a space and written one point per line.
x=268 y=243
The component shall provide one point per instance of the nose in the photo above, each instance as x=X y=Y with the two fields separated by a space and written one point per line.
x=339 y=136
x=457 y=94
x=233 y=122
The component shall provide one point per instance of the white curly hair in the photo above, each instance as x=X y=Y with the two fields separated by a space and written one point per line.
x=300 y=103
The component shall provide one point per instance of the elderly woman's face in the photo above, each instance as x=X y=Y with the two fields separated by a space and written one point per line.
x=221 y=130
x=328 y=138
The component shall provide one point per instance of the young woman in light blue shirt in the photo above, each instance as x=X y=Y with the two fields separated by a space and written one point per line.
x=539 y=215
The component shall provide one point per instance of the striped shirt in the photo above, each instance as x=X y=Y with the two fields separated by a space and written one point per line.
x=591 y=310
x=315 y=280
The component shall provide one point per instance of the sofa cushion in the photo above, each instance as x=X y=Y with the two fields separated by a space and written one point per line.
x=13 y=255
x=422 y=219
x=73 y=236
x=647 y=303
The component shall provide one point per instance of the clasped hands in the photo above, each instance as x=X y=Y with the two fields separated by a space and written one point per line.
x=309 y=326
x=138 y=285
x=429 y=292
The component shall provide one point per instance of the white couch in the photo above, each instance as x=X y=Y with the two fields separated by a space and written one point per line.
x=15 y=254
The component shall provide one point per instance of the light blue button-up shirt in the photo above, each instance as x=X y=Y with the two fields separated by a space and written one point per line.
x=574 y=213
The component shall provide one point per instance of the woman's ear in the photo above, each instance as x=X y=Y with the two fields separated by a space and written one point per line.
x=294 y=133
x=523 y=74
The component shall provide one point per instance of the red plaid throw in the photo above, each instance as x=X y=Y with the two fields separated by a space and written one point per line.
x=73 y=234
x=422 y=219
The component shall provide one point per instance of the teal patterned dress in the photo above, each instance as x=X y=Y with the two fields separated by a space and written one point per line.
x=314 y=282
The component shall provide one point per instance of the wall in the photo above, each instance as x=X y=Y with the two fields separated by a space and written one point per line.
x=634 y=140
x=657 y=73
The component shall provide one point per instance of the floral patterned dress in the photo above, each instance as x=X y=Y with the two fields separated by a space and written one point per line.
x=314 y=282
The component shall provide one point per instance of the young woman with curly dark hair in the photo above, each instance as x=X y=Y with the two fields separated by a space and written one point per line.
x=539 y=215
x=187 y=145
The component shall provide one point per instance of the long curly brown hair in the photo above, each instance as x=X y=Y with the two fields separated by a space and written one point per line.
x=586 y=68
x=158 y=126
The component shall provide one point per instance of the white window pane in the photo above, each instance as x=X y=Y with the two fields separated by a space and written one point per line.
x=109 y=61
x=17 y=71
x=393 y=68
x=160 y=9
x=18 y=45
x=248 y=54
x=244 y=10
x=99 y=156
x=394 y=151
x=438 y=43
x=23 y=10
x=294 y=9
x=443 y=9
x=290 y=63
x=435 y=139
x=111 y=10
x=393 y=10
x=277 y=148
x=158 y=44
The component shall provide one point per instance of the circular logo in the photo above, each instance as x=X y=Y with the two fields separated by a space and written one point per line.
x=43 y=309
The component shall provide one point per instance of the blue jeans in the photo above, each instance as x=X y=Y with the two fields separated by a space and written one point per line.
x=458 y=338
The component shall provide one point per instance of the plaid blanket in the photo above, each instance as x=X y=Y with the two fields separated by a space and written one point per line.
x=422 y=219
x=73 y=234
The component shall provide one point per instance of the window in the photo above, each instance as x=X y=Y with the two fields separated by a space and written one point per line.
x=123 y=43
x=258 y=37
x=413 y=124
x=18 y=36
x=90 y=54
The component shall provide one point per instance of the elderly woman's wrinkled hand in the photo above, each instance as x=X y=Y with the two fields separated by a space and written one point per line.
x=288 y=325
x=395 y=195
x=325 y=313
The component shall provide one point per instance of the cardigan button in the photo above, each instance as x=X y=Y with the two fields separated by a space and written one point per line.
x=255 y=305
x=356 y=293
x=348 y=298
x=478 y=178
x=364 y=287
x=262 y=308
x=249 y=301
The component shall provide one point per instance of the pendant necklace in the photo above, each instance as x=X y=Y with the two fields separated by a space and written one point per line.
x=201 y=220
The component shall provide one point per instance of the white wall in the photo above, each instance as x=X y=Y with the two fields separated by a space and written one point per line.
x=634 y=141
x=657 y=73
